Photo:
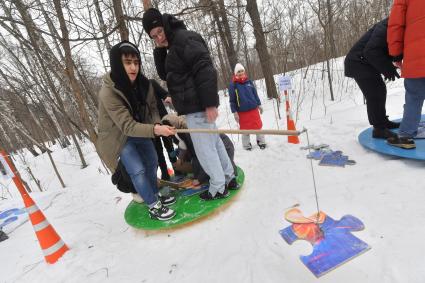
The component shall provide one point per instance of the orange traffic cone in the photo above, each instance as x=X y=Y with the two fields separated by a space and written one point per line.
x=290 y=124
x=51 y=244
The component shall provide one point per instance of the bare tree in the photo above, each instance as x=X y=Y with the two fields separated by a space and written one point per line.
x=261 y=46
x=119 y=15
x=76 y=88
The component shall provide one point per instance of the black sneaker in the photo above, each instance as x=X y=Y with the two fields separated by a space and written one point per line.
x=232 y=185
x=261 y=145
x=379 y=133
x=402 y=142
x=161 y=212
x=206 y=195
x=248 y=147
x=167 y=200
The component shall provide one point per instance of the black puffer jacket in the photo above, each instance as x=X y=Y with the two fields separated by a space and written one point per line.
x=160 y=95
x=187 y=67
x=369 y=56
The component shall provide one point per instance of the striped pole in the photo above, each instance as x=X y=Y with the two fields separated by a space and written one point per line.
x=51 y=244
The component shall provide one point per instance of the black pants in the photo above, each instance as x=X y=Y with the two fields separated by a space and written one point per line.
x=375 y=92
x=162 y=163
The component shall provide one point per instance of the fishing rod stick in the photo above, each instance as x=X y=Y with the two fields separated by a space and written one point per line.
x=242 y=132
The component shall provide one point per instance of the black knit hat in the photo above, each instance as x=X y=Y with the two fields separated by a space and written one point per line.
x=152 y=18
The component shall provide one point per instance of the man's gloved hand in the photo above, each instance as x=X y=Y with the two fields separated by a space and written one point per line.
x=236 y=117
x=390 y=76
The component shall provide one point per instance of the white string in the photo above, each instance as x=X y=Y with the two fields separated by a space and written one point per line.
x=314 y=179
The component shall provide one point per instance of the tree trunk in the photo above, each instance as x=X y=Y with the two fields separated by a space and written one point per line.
x=56 y=169
x=328 y=67
x=32 y=150
x=246 y=54
x=331 y=40
x=119 y=16
x=36 y=181
x=71 y=74
x=224 y=68
x=102 y=25
x=330 y=79
x=230 y=47
x=261 y=47
x=69 y=131
x=228 y=67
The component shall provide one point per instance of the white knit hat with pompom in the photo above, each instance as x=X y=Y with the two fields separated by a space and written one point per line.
x=239 y=67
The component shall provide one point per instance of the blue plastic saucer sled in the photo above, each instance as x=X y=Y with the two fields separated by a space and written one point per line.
x=381 y=146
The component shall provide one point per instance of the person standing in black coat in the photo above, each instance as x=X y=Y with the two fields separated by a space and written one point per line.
x=365 y=62
x=182 y=59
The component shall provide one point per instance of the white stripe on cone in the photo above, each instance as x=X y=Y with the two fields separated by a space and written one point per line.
x=51 y=250
x=40 y=226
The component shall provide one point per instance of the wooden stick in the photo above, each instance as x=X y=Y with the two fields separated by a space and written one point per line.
x=246 y=132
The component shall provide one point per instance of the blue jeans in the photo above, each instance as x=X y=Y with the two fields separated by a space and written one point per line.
x=211 y=153
x=141 y=162
x=414 y=99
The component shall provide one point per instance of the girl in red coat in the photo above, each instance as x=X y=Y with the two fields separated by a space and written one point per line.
x=246 y=106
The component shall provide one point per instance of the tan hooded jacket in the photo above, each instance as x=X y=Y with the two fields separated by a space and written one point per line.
x=116 y=121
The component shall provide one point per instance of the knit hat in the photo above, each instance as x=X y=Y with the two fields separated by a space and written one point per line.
x=152 y=18
x=118 y=74
x=239 y=67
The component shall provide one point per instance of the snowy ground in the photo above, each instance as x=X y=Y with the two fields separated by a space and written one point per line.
x=241 y=243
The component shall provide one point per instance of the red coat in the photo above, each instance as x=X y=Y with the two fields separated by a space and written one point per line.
x=250 y=120
x=406 y=35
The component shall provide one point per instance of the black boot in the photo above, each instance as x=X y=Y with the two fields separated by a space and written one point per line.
x=390 y=124
x=382 y=133
x=261 y=145
x=248 y=147
x=233 y=184
x=207 y=195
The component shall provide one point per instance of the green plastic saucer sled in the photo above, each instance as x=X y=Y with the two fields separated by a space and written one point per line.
x=188 y=208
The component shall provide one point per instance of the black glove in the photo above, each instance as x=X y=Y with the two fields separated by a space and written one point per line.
x=390 y=76
x=397 y=58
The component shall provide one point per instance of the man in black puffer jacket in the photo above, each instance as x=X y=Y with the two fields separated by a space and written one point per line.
x=365 y=62
x=182 y=59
